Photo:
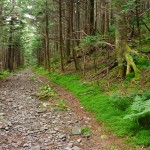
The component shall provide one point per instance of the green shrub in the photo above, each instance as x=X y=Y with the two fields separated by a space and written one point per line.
x=86 y=131
x=143 y=138
x=61 y=105
x=141 y=61
x=141 y=110
x=4 y=74
x=121 y=102
x=130 y=76
x=92 y=41
x=46 y=92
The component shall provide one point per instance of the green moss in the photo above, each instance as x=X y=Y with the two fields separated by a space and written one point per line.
x=4 y=74
x=86 y=131
x=95 y=101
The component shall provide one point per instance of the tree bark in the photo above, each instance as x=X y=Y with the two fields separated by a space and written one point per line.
x=60 y=34
x=10 y=46
x=47 y=38
x=92 y=32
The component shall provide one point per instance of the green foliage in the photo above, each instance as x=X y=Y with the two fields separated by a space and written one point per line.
x=46 y=92
x=145 y=49
x=143 y=138
x=145 y=41
x=86 y=131
x=130 y=76
x=141 y=61
x=92 y=41
x=61 y=105
x=44 y=105
x=141 y=110
x=121 y=102
x=128 y=6
x=112 y=31
x=4 y=74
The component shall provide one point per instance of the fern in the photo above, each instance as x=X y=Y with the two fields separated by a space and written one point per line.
x=140 y=110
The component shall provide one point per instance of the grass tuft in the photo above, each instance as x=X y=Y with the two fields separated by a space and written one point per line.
x=4 y=74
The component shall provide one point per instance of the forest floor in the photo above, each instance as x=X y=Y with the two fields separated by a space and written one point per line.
x=27 y=123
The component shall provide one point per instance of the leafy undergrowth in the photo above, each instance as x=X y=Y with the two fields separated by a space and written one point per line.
x=105 y=109
x=4 y=74
x=46 y=93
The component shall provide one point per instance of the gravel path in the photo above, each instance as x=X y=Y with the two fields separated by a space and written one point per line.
x=26 y=123
x=26 y=126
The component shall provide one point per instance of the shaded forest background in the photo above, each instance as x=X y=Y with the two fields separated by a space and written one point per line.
x=56 y=33
x=105 y=42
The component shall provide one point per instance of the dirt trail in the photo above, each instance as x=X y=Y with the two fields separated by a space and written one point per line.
x=24 y=125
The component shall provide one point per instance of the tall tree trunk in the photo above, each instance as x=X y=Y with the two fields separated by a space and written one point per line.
x=137 y=3
x=47 y=38
x=60 y=34
x=106 y=27
x=78 y=21
x=86 y=17
x=10 y=46
x=71 y=35
x=92 y=32
x=68 y=30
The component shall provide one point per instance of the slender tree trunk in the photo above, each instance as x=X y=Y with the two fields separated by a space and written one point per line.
x=106 y=27
x=60 y=34
x=96 y=16
x=91 y=17
x=10 y=46
x=86 y=17
x=68 y=31
x=78 y=22
x=47 y=38
x=137 y=2
x=71 y=36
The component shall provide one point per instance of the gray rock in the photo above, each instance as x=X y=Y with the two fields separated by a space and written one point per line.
x=7 y=128
x=76 y=131
x=2 y=114
x=56 y=129
x=67 y=148
x=53 y=132
x=76 y=148
x=26 y=145
x=70 y=145
x=62 y=136
x=20 y=107
x=15 y=144
x=55 y=121
x=78 y=140
x=37 y=147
